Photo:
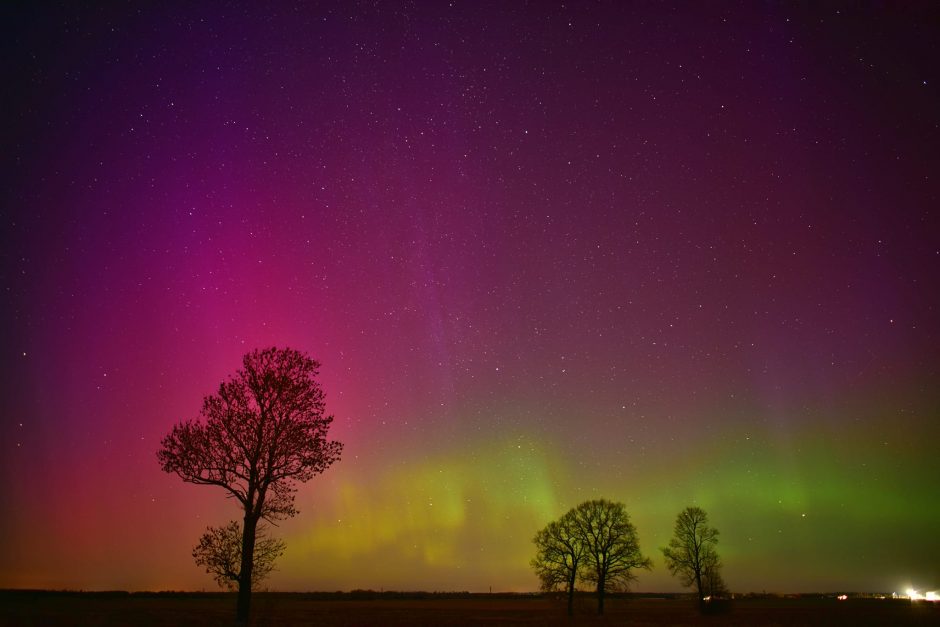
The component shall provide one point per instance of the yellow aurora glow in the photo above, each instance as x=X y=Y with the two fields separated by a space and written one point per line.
x=446 y=515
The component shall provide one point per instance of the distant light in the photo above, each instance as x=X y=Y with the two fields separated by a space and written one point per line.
x=842 y=597
x=914 y=595
x=933 y=595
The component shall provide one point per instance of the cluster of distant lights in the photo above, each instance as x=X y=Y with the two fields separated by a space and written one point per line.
x=914 y=595
x=910 y=593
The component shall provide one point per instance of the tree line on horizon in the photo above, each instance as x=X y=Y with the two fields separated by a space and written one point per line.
x=265 y=431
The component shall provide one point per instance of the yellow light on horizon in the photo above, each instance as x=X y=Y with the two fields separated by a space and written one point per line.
x=914 y=595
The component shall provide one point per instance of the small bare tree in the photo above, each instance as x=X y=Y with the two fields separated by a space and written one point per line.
x=262 y=433
x=691 y=553
x=220 y=552
x=712 y=580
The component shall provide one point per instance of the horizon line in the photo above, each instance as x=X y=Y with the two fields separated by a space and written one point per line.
x=362 y=591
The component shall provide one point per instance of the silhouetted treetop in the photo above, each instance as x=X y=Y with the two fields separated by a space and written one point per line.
x=263 y=430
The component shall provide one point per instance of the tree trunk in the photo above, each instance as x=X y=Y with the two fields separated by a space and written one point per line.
x=244 y=577
x=601 y=585
x=701 y=593
x=571 y=594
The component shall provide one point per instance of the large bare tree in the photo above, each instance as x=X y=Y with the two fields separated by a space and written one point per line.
x=611 y=547
x=263 y=432
x=691 y=554
x=220 y=552
x=558 y=556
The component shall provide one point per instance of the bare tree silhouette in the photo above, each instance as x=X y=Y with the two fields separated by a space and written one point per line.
x=612 y=550
x=712 y=580
x=594 y=542
x=220 y=552
x=559 y=552
x=691 y=553
x=263 y=432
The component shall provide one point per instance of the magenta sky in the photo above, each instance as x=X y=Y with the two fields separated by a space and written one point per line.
x=668 y=255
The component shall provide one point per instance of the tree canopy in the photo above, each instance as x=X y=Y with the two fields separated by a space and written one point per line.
x=263 y=431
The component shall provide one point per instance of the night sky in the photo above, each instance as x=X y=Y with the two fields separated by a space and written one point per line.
x=667 y=255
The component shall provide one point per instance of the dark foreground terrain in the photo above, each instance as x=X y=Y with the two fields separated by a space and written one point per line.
x=23 y=608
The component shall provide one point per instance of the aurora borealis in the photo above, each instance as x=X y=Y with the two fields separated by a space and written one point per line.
x=664 y=254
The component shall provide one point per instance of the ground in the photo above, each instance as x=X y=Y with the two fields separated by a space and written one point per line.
x=24 y=609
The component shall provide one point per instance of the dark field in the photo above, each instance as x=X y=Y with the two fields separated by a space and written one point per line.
x=205 y=610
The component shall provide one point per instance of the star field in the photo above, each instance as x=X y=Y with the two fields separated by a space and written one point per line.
x=668 y=255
